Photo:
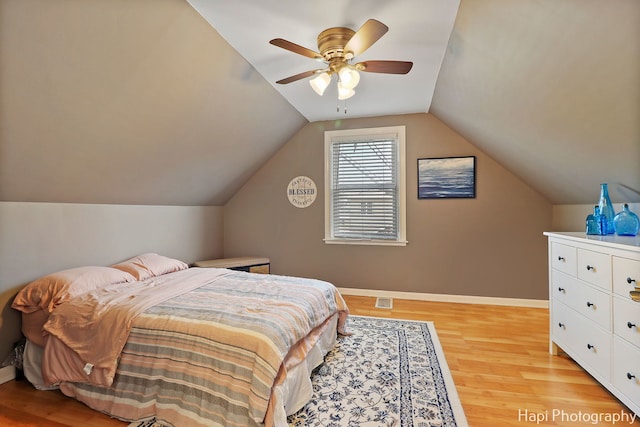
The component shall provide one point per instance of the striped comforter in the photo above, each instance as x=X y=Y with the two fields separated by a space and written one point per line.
x=212 y=355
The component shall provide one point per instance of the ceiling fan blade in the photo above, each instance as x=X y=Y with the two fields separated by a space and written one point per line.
x=295 y=48
x=387 y=67
x=367 y=35
x=299 y=76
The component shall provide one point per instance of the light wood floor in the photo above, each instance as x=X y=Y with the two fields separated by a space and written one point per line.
x=498 y=357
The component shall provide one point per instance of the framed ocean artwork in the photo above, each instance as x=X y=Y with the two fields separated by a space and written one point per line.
x=447 y=177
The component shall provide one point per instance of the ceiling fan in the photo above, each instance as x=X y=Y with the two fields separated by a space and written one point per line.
x=338 y=46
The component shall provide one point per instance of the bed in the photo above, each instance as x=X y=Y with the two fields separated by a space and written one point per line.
x=151 y=337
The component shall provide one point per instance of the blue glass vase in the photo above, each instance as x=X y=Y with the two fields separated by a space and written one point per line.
x=626 y=223
x=596 y=223
x=606 y=209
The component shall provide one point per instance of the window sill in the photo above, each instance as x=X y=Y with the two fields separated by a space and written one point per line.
x=366 y=242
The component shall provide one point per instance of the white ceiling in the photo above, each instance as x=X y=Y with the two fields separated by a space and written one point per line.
x=419 y=31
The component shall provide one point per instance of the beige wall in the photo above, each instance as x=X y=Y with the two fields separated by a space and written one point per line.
x=488 y=246
x=41 y=238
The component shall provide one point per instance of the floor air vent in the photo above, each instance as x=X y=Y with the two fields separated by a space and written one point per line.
x=384 y=303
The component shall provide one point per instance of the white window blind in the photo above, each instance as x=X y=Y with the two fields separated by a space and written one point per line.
x=365 y=188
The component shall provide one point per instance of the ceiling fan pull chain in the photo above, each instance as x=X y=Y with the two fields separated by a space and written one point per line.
x=344 y=106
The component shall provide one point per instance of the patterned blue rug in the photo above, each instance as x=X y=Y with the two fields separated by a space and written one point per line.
x=387 y=373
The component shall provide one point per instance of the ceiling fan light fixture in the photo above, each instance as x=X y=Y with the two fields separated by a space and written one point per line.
x=320 y=83
x=345 y=92
x=349 y=77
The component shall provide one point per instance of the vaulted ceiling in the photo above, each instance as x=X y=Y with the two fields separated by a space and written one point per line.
x=175 y=102
x=419 y=31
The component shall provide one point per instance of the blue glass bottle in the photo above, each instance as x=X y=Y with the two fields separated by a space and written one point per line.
x=606 y=209
x=626 y=223
x=596 y=222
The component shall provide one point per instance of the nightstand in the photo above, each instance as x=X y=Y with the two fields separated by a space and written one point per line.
x=250 y=264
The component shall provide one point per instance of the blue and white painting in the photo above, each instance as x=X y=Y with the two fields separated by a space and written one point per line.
x=449 y=177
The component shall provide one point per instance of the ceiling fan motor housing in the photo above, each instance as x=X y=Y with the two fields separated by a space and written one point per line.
x=331 y=43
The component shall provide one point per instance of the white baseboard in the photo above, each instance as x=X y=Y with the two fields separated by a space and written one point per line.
x=7 y=373
x=465 y=299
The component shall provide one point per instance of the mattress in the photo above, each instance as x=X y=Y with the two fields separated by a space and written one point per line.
x=236 y=349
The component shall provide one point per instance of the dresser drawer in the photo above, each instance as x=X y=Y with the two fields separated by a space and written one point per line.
x=593 y=345
x=563 y=258
x=626 y=275
x=583 y=339
x=586 y=300
x=626 y=369
x=563 y=326
x=626 y=320
x=595 y=268
x=563 y=287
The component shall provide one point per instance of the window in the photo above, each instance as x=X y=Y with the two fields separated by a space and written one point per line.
x=365 y=186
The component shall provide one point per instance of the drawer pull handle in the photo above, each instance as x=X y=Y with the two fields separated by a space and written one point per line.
x=560 y=324
x=561 y=258
x=630 y=376
x=561 y=290
x=590 y=304
x=590 y=268
x=590 y=347
x=631 y=325
x=630 y=280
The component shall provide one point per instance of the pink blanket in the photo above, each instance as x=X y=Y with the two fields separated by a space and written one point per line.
x=87 y=334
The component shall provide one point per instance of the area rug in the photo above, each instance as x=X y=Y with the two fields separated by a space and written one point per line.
x=388 y=372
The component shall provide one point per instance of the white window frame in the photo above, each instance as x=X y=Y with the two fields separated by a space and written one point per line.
x=351 y=135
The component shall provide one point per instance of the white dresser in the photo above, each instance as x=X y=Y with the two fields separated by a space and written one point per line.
x=592 y=316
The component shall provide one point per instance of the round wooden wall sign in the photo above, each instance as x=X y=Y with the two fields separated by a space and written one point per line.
x=302 y=191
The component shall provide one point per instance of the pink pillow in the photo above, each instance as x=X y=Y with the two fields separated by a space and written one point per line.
x=150 y=265
x=48 y=292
